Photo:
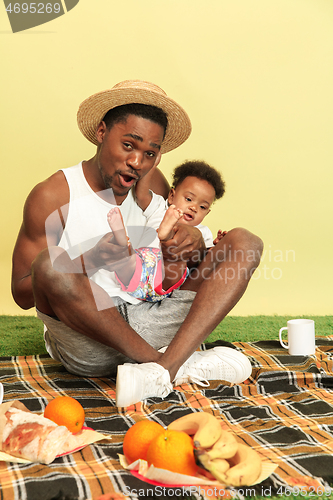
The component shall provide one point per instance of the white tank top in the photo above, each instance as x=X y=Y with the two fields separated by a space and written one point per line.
x=87 y=222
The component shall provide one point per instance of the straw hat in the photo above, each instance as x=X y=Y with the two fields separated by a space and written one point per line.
x=93 y=109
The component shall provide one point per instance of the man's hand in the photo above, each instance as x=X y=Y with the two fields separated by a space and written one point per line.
x=187 y=244
x=106 y=254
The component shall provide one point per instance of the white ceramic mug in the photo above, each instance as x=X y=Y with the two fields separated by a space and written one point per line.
x=1 y=393
x=301 y=337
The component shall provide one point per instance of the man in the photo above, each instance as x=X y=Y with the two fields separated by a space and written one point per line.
x=65 y=255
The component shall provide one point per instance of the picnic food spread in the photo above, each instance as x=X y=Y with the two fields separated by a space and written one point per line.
x=31 y=437
x=218 y=451
x=212 y=451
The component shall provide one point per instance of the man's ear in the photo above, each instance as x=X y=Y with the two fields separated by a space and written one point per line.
x=100 y=132
x=171 y=196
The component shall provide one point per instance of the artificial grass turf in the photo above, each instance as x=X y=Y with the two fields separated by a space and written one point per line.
x=253 y=328
x=23 y=335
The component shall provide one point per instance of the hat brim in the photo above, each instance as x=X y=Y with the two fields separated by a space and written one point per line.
x=94 y=108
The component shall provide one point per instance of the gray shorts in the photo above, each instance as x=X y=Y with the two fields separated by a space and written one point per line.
x=155 y=322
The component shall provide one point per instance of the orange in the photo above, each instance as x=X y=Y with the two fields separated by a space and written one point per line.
x=173 y=450
x=138 y=438
x=67 y=411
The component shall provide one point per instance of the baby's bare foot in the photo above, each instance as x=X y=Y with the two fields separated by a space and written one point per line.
x=171 y=217
x=117 y=227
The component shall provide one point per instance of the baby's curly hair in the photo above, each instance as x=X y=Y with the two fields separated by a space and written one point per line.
x=201 y=170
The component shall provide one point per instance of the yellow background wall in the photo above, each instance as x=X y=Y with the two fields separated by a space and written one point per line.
x=255 y=76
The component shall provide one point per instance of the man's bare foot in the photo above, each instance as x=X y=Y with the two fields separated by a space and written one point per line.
x=117 y=227
x=171 y=217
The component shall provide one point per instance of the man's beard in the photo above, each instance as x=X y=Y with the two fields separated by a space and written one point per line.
x=108 y=193
x=107 y=179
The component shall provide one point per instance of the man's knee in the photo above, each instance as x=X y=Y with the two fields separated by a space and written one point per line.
x=41 y=266
x=242 y=236
x=49 y=265
x=239 y=245
x=245 y=245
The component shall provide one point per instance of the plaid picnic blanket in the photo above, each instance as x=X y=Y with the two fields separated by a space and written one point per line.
x=284 y=411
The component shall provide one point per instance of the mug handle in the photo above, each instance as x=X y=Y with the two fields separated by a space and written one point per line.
x=280 y=337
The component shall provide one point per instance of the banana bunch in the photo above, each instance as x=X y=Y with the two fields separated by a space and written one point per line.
x=218 y=451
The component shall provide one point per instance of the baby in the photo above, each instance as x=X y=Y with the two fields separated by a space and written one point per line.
x=196 y=185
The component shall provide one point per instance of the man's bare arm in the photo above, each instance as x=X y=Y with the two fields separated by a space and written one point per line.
x=159 y=184
x=43 y=200
x=154 y=181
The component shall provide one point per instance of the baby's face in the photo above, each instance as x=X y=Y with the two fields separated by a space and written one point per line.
x=194 y=197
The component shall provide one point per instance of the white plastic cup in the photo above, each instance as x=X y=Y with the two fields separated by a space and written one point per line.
x=301 y=337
